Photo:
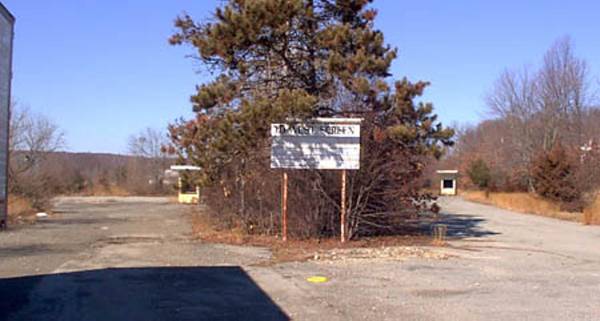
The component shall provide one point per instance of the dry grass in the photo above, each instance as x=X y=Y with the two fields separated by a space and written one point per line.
x=524 y=203
x=591 y=214
x=98 y=190
x=20 y=210
x=292 y=250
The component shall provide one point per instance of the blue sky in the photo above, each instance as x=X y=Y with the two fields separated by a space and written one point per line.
x=103 y=70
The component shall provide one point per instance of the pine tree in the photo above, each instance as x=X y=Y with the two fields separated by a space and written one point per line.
x=281 y=59
x=554 y=175
x=480 y=173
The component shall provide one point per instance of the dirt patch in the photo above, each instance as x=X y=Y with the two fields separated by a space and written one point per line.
x=386 y=252
x=129 y=239
x=310 y=249
x=440 y=293
x=133 y=239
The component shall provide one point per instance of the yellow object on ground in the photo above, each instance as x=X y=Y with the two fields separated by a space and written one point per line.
x=317 y=279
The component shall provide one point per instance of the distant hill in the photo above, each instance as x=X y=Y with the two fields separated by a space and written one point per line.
x=70 y=172
x=89 y=162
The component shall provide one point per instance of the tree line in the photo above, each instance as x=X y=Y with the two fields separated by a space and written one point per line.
x=542 y=136
x=39 y=169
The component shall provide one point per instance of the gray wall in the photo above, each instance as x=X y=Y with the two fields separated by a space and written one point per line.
x=6 y=37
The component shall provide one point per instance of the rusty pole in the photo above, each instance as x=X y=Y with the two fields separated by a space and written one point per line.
x=343 y=209
x=284 y=197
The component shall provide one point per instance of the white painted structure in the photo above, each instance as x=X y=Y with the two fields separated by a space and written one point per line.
x=448 y=182
x=320 y=143
x=185 y=168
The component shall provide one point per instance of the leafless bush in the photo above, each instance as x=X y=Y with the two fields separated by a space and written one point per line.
x=533 y=111
x=145 y=171
x=32 y=138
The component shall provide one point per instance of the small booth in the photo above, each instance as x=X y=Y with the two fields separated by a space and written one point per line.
x=448 y=182
x=187 y=193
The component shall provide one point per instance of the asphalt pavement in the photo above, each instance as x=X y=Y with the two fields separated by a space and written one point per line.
x=135 y=259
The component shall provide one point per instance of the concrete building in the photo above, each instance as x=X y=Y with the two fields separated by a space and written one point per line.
x=187 y=193
x=448 y=182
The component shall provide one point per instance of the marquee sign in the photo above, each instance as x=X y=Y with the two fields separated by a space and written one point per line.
x=321 y=143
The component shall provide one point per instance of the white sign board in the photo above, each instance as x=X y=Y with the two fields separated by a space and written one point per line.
x=323 y=143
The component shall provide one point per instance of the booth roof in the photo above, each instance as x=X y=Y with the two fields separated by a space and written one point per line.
x=448 y=171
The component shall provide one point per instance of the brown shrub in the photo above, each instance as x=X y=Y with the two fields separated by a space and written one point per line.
x=591 y=214
x=20 y=209
x=252 y=204
x=555 y=179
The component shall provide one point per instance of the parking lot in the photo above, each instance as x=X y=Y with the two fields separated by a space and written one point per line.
x=134 y=259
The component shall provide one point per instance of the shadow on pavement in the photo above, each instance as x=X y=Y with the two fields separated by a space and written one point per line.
x=28 y=250
x=157 y=293
x=458 y=225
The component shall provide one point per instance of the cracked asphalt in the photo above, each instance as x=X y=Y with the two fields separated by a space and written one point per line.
x=134 y=259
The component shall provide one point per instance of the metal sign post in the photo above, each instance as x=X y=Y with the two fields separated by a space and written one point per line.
x=343 y=227
x=284 y=198
x=320 y=143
